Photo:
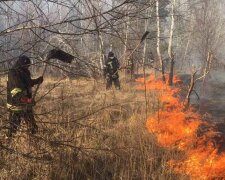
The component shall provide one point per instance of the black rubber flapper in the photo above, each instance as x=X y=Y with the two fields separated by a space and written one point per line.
x=144 y=36
x=60 y=55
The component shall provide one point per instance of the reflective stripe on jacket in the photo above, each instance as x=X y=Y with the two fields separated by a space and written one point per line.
x=15 y=108
x=19 y=108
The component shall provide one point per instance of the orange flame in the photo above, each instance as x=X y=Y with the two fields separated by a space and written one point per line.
x=177 y=127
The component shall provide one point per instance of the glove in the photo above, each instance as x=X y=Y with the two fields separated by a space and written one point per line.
x=114 y=76
x=107 y=76
x=26 y=100
x=40 y=80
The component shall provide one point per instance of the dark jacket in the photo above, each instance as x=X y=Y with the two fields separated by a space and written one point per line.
x=111 y=66
x=19 y=84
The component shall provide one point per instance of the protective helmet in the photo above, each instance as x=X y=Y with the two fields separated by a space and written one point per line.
x=23 y=61
x=111 y=55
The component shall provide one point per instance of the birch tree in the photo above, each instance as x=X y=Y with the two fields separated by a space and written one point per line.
x=170 y=50
x=159 y=55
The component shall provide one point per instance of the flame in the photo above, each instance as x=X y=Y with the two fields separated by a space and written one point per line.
x=177 y=127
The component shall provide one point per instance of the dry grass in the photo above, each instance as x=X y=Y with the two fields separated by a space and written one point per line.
x=86 y=133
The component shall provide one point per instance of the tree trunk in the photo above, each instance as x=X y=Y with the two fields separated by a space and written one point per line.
x=170 y=50
x=100 y=39
x=101 y=53
x=145 y=44
x=126 y=27
x=191 y=88
x=207 y=66
x=206 y=72
x=158 y=42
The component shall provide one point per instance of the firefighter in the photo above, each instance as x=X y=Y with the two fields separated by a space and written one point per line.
x=111 y=71
x=19 y=96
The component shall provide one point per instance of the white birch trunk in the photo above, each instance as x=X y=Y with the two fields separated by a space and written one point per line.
x=101 y=54
x=170 y=50
x=125 y=43
x=145 y=44
x=158 y=41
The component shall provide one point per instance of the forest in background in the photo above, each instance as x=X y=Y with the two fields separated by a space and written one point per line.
x=183 y=30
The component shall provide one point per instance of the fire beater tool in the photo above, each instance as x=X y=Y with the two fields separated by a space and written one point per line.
x=55 y=54
x=142 y=39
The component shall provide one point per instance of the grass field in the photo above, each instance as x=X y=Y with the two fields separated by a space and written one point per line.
x=86 y=132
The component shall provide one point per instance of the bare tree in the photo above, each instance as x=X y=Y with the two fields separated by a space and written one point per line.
x=170 y=49
x=158 y=42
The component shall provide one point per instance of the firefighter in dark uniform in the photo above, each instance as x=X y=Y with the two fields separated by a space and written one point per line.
x=111 y=71
x=19 y=96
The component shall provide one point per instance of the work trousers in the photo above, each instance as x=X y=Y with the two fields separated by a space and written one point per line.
x=15 y=119
x=110 y=80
